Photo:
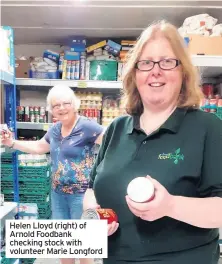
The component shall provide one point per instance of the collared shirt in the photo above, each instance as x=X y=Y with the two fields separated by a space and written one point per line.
x=184 y=155
x=72 y=157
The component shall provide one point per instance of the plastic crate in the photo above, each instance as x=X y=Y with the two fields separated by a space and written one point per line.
x=44 y=208
x=34 y=198
x=28 y=261
x=6 y=158
x=46 y=215
x=43 y=75
x=34 y=173
x=6 y=172
x=219 y=112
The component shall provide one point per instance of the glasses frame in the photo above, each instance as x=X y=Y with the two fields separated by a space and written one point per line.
x=64 y=104
x=178 y=62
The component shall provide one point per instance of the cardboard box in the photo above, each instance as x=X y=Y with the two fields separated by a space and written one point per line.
x=22 y=68
x=201 y=45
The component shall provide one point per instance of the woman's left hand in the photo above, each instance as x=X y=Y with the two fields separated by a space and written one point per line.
x=155 y=209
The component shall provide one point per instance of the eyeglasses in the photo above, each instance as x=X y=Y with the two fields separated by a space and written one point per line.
x=64 y=105
x=165 y=64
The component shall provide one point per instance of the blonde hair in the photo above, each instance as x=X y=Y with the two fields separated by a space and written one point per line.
x=61 y=91
x=191 y=93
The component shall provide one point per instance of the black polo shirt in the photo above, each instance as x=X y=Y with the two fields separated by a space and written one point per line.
x=184 y=155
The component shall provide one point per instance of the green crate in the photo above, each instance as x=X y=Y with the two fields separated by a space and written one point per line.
x=6 y=172
x=28 y=261
x=43 y=208
x=7 y=191
x=107 y=70
x=34 y=198
x=34 y=173
x=26 y=187
x=47 y=215
x=219 y=112
x=6 y=158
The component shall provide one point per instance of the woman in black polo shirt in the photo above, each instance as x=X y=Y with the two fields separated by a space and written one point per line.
x=165 y=136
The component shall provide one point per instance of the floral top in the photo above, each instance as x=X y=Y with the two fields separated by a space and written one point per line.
x=72 y=157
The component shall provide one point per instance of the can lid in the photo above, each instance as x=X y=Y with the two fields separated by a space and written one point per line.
x=90 y=214
x=140 y=189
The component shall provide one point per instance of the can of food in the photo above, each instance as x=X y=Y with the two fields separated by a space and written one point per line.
x=42 y=110
x=4 y=131
x=37 y=116
x=141 y=190
x=31 y=110
x=27 y=117
x=32 y=118
x=100 y=214
x=36 y=110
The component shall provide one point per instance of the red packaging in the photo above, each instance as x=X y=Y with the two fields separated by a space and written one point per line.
x=100 y=214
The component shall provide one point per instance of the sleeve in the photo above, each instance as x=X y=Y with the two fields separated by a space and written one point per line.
x=211 y=178
x=93 y=130
x=48 y=134
x=99 y=158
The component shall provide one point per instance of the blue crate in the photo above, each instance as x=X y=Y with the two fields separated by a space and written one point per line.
x=43 y=75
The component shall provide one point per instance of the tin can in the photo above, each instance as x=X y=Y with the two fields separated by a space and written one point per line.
x=37 y=117
x=41 y=119
x=77 y=70
x=100 y=214
x=27 y=117
x=42 y=110
x=31 y=110
x=141 y=190
x=72 y=70
x=82 y=70
x=4 y=131
x=68 y=70
x=21 y=113
x=32 y=118
x=36 y=110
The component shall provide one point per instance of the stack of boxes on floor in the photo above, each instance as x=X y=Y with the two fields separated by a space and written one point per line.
x=34 y=184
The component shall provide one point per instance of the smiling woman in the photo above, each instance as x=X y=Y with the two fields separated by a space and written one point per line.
x=166 y=138
x=70 y=142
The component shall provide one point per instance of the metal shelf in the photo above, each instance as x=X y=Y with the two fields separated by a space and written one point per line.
x=8 y=210
x=71 y=83
x=34 y=126
x=6 y=78
x=210 y=66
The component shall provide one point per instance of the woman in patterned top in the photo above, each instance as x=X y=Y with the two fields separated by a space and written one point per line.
x=70 y=143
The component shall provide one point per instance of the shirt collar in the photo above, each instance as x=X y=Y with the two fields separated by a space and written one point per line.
x=171 y=124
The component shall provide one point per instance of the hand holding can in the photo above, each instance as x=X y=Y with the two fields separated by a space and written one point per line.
x=5 y=135
x=103 y=214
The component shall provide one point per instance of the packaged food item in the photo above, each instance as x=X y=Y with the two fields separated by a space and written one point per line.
x=141 y=190
x=100 y=214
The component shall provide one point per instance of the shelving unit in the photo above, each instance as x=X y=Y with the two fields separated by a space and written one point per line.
x=8 y=84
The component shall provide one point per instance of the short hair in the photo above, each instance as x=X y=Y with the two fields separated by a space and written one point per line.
x=62 y=91
x=191 y=93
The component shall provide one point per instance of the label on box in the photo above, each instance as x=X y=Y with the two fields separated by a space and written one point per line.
x=82 y=84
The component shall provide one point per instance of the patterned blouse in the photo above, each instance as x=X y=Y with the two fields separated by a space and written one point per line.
x=72 y=157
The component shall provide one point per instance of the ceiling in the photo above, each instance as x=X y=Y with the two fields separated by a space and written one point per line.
x=53 y=21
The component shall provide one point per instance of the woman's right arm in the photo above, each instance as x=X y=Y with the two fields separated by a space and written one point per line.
x=33 y=147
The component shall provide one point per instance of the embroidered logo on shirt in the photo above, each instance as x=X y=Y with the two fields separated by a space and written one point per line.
x=176 y=156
